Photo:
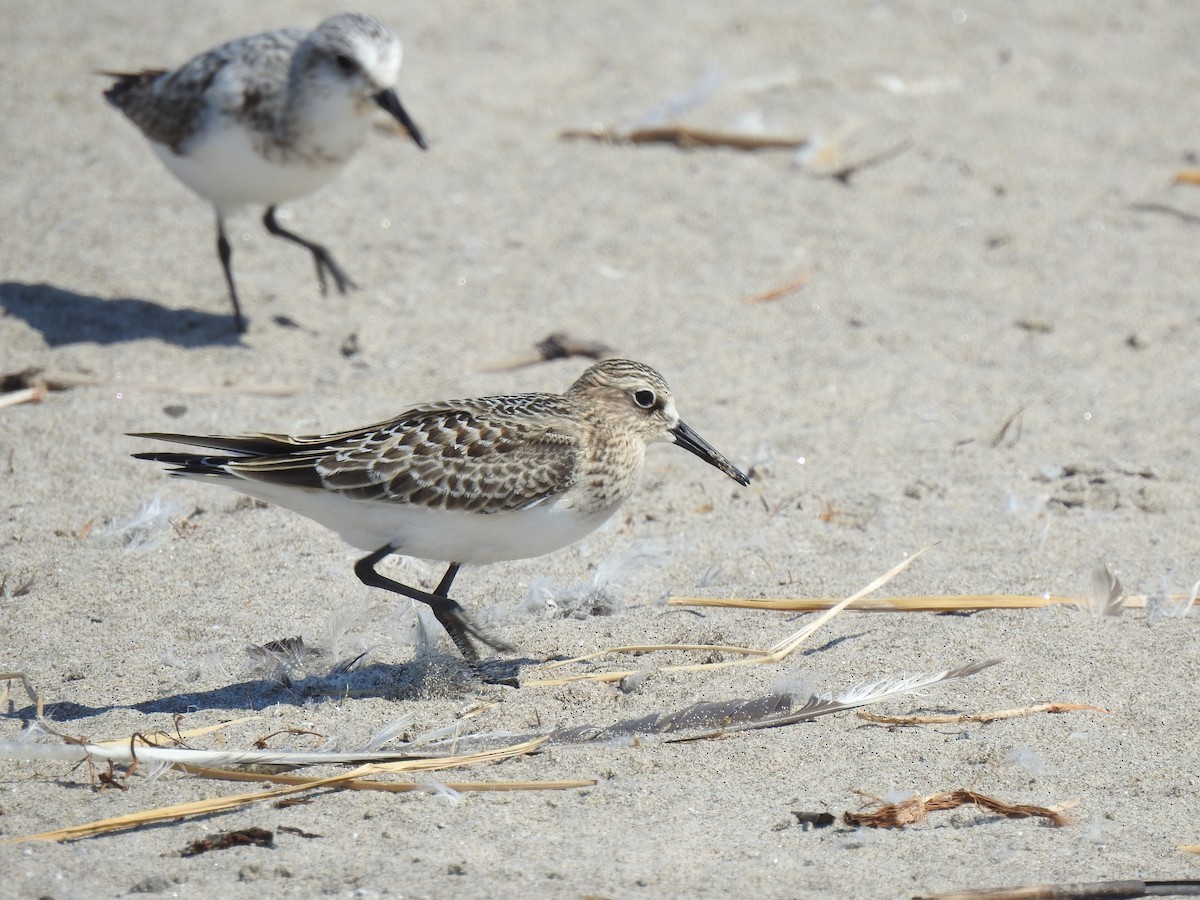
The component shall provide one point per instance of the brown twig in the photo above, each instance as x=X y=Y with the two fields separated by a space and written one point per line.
x=1087 y=890
x=686 y=136
x=915 y=809
x=261 y=743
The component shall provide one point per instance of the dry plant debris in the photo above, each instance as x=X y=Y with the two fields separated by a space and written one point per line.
x=694 y=138
x=1107 y=599
x=554 y=346
x=1087 y=890
x=701 y=720
x=698 y=721
x=31 y=385
x=1013 y=422
x=916 y=809
x=1034 y=326
x=186 y=760
x=783 y=290
x=1165 y=209
x=8 y=678
x=920 y=603
x=27 y=386
x=299 y=832
x=983 y=717
x=745 y=655
x=685 y=136
x=735 y=716
x=846 y=172
x=223 y=840
x=721 y=718
x=24 y=584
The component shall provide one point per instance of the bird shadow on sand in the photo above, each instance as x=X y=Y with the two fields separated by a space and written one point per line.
x=251 y=695
x=65 y=317
x=377 y=680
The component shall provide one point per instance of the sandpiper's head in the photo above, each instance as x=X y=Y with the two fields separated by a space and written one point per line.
x=359 y=54
x=639 y=399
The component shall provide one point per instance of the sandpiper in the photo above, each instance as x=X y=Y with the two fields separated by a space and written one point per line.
x=462 y=481
x=268 y=118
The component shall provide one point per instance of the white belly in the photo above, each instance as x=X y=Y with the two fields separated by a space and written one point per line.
x=226 y=169
x=443 y=535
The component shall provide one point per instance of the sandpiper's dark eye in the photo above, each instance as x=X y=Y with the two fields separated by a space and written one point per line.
x=645 y=399
x=346 y=64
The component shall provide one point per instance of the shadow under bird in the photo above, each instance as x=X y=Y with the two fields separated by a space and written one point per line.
x=462 y=481
x=269 y=118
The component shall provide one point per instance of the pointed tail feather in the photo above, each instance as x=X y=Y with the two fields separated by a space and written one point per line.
x=244 y=445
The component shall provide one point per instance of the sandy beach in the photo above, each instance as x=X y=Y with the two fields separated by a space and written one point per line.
x=960 y=316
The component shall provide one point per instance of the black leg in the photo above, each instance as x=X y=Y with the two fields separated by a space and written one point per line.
x=225 y=252
x=324 y=261
x=452 y=616
x=443 y=588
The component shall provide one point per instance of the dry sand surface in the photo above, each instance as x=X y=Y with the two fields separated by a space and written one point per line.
x=1015 y=251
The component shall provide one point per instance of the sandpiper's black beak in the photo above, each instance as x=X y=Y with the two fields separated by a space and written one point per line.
x=391 y=103
x=689 y=440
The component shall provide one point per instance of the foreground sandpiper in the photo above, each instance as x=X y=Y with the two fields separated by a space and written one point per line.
x=463 y=481
x=268 y=118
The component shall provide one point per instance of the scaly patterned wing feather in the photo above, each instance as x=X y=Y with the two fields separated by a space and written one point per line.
x=469 y=456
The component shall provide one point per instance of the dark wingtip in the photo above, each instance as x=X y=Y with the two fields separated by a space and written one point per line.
x=187 y=463
x=117 y=90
